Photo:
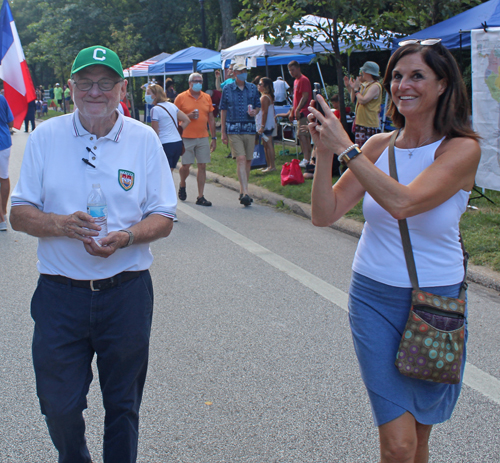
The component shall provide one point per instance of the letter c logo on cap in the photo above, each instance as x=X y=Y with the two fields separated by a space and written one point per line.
x=99 y=58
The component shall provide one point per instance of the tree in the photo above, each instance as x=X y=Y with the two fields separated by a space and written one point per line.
x=228 y=37
x=277 y=22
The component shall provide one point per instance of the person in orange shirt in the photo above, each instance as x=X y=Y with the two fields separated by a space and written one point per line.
x=197 y=105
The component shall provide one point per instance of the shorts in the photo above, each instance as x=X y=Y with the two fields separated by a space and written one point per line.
x=59 y=101
x=242 y=145
x=303 y=121
x=196 y=148
x=4 y=163
x=67 y=98
x=362 y=134
x=173 y=152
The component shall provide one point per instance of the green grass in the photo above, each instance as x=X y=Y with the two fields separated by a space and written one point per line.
x=480 y=228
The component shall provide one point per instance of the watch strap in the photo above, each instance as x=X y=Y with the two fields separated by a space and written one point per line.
x=130 y=237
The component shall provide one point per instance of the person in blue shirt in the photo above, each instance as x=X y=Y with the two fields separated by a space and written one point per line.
x=239 y=105
x=6 y=123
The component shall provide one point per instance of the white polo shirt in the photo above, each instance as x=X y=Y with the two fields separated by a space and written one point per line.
x=134 y=175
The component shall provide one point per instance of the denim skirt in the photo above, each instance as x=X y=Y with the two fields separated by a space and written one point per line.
x=378 y=315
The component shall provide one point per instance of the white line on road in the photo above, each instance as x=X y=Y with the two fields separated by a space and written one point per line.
x=474 y=377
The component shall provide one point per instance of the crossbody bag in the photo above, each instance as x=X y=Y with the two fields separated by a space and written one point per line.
x=433 y=340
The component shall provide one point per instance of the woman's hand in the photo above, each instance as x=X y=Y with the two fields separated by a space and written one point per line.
x=327 y=132
x=261 y=130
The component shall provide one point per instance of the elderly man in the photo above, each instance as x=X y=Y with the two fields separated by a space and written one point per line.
x=239 y=105
x=197 y=105
x=93 y=297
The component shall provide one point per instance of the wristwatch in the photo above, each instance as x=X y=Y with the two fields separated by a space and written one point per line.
x=130 y=237
x=214 y=138
x=349 y=154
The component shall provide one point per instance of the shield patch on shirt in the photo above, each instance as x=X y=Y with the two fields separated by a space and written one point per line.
x=126 y=179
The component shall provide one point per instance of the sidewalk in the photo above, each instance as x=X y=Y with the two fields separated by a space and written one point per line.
x=476 y=274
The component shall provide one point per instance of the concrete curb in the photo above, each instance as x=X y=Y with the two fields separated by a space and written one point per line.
x=476 y=274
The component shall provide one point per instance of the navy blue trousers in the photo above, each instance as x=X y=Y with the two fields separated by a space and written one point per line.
x=71 y=325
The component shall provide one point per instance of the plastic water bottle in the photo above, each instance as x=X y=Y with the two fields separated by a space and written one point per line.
x=97 y=208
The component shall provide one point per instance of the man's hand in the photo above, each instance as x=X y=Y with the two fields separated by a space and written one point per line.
x=192 y=115
x=213 y=145
x=108 y=245
x=297 y=114
x=79 y=225
x=224 y=137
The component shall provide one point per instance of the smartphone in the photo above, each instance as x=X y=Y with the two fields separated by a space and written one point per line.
x=316 y=92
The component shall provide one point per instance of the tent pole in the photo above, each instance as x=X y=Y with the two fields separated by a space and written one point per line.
x=282 y=72
x=461 y=62
x=327 y=99
x=267 y=67
x=384 y=117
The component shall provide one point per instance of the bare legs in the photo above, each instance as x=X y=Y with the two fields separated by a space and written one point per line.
x=4 y=197
x=243 y=167
x=200 y=178
x=270 y=155
x=404 y=440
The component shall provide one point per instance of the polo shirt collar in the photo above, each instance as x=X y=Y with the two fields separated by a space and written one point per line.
x=114 y=133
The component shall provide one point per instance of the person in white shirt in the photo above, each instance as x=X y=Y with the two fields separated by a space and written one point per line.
x=93 y=297
x=280 y=91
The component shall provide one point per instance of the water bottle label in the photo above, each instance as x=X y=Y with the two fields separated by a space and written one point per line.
x=97 y=211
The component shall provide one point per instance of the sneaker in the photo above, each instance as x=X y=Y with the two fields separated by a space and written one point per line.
x=3 y=226
x=241 y=196
x=303 y=163
x=182 y=193
x=246 y=200
x=203 y=202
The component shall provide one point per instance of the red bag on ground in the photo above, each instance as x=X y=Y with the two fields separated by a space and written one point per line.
x=291 y=173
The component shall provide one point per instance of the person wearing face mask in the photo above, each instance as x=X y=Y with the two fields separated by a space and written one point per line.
x=198 y=107
x=239 y=105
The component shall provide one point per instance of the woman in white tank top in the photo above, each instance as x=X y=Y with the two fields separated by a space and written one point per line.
x=265 y=121
x=437 y=154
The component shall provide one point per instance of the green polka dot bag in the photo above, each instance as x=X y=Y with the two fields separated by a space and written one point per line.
x=433 y=340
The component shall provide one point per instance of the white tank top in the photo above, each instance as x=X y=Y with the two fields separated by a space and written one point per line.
x=434 y=234
x=270 y=122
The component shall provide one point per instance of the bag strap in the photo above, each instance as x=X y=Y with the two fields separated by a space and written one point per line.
x=405 y=234
x=403 y=224
x=173 y=120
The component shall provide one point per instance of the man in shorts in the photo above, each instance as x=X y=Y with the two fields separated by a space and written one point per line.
x=197 y=105
x=58 y=95
x=302 y=95
x=6 y=123
x=239 y=105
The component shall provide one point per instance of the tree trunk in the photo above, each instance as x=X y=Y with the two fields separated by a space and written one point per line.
x=228 y=36
x=340 y=74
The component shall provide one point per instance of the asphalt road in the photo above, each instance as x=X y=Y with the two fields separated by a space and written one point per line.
x=251 y=354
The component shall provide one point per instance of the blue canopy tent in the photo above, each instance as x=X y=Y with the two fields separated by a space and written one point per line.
x=455 y=32
x=181 y=62
x=214 y=62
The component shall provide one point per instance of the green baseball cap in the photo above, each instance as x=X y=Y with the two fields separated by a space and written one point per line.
x=97 y=55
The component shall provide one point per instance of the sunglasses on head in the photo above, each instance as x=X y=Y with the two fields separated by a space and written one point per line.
x=421 y=42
